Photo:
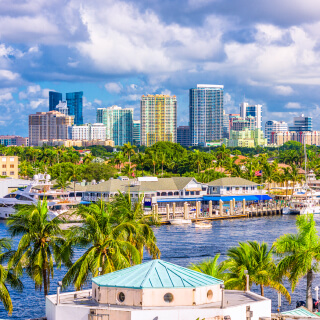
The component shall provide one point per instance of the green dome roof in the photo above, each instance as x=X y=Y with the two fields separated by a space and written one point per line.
x=155 y=274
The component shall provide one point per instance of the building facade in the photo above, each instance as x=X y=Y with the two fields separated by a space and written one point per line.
x=301 y=123
x=118 y=122
x=48 y=126
x=14 y=141
x=54 y=99
x=246 y=139
x=158 y=115
x=205 y=113
x=136 y=133
x=75 y=103
x=62 y=108
x=274 y=126
x=9 y=166
x=308 y=137
x=239 y=124
x=183 y=136
x=255 y=111
x=95 y=131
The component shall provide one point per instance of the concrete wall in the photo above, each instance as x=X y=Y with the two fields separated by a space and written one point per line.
x=155 y=297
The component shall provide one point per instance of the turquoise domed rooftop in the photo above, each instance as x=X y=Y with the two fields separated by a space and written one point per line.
x=156 y=274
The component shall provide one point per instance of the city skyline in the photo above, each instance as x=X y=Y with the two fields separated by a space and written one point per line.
x=260 y=55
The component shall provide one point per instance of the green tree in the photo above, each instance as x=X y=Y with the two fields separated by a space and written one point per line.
x=300 y=254
x=75 y=175
x=119 y=159
x=41 y=244
x=211 y=267
x=107 y=243
x=257 y=259
x=128 y=150
x=7 y=277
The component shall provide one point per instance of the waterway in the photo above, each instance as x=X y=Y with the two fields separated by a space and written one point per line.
x=181 y=245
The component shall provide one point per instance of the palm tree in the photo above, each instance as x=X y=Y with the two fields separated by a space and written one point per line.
x=300 y=254
x=41 y=244
x=7 y=277
x=140 y=160
x=75 y=174
x=62 y=182
x=119 y=159
x=132 y=212
x=270 y=173
x=106 y=241
x=128 y=150
x=256 y=259
x=197 y=158
x=163 y=161
x=211 y=267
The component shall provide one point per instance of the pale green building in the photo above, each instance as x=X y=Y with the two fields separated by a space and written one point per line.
x=246 y=138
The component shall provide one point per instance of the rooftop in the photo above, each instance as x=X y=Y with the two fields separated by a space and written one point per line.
x=231 y=182
x=156 y=274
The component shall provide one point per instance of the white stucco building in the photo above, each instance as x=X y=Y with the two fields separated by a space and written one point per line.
x=95 y=131
x=157 y=290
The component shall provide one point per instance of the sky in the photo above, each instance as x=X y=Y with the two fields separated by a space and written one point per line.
x=263 y=52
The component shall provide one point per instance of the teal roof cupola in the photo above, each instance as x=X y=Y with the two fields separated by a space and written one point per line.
x=156 y=274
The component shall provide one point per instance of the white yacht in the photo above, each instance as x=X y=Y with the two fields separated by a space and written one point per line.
x=307 y=206
x=40 y=188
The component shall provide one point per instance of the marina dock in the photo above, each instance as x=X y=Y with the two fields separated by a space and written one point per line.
x=221 y=212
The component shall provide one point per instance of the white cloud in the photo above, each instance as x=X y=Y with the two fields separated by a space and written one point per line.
x=113 y=87
x=5 y=97
x=36 y=104
x=8 y=75
x=293 y=105
x=97 y=101
x=283 y=90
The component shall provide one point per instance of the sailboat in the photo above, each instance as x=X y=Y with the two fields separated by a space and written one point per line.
x=302 y=203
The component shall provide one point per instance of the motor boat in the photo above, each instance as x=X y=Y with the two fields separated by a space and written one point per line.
x=302 y=206
x=179 y=221
x=203 y=224
x=38 y=189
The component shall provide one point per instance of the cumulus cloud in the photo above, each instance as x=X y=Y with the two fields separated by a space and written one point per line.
x=113 y=87
x=293 y=105
x=283 y=90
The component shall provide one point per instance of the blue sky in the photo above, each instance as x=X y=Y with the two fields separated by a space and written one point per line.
x=266 y=52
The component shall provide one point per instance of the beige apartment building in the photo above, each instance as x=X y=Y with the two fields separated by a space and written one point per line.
x=308 y=137
x=51 y=125
x=9 y=166
x=158 y=119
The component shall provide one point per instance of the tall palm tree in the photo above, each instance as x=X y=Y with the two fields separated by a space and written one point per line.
x=75 y=174
x=198 y=159
x=128 y=150
x=106 y=241
x=41 y=244
x=119 y=159
x=132 y=212
x=257 y=259
x=163 y=161
x=211 y=267
x=300 y=254
x=140 y=160
x=7 y=277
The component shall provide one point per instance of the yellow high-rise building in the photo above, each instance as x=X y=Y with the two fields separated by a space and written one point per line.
x=158 y=119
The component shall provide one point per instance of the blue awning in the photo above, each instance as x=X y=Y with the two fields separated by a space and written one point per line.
x=238 y=198
x=85 y=202
x=180 y=199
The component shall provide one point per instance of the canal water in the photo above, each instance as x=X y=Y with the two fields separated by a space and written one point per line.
x=181 y=245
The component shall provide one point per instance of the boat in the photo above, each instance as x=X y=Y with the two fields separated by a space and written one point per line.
x=203 y=224
x=38 y=189
x=179 y=221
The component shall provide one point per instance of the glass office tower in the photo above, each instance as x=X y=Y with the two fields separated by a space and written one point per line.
x=74 y=104
x=205 y=114
x=54 y=99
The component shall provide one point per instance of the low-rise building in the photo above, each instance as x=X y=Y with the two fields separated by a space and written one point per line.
x=14 y=141
x=77 y=143
x=9 y=166
x=157 y=290
x=274 y=126
x=308 y=137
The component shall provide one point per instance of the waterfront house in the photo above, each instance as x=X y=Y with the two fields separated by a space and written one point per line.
x=157 y=290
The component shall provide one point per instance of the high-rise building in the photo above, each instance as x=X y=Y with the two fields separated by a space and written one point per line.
x=274 y=126
x=136 y=133
x=205 y=113
x=14 y=141
x=74 y=103
x=54 y=99
x=62 y=107
x=95 y=131
x=118 y=123
x=183 y=135
x=254 y=111
x=48 y=126
x=301 y=123
x=225 y=125
x=158 y=115
x=239 y=124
